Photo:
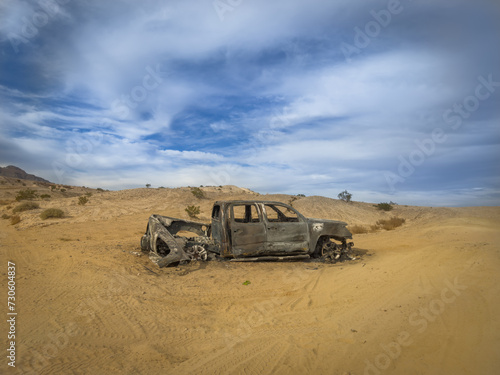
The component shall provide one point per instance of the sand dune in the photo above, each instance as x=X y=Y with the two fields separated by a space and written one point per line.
x=421 y=299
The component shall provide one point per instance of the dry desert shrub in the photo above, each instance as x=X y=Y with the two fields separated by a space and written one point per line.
x=27 y=194
x=193 y=211
x=392 y=223
x=358 y=229
x=384 y=206
x=15 y=219
x=26 y=206
x=198 y=193
x=5 y=216
x=51 y=212
x=82 y=200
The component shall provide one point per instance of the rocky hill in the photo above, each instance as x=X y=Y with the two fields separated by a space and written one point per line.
x=16 y=172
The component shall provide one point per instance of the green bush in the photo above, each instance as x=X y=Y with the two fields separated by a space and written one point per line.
x=99 y=189
x=27 y=194
x=301 y=195
x=15 y=219
x=45 y=196
x=198 y=193
x=193 y=211
x=51 y=212
x=26 y=206
x=384 y=206
x=345 y=196
x=82 y=201
x=88 y=194
x=63 y=190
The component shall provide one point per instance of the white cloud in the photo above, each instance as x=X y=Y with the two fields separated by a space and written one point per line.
x=264 y=99
x=191 y=155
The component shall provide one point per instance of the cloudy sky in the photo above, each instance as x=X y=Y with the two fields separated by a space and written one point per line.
x=391 y=100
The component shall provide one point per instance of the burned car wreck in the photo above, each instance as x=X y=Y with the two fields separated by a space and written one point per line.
x=245 y=231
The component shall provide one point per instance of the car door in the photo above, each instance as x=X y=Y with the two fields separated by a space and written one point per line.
x=247 y=230
x=287 y=230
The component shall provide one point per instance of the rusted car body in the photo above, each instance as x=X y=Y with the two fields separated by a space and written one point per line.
x=245 y=231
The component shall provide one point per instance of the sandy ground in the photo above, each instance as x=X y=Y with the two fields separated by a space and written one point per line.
x=421 y=299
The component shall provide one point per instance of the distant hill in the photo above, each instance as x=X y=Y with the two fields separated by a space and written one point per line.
x=15 y=172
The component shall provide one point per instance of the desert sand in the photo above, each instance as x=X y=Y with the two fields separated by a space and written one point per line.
x=420 y=299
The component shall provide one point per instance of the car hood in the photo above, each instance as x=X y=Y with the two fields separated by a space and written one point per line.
x=335 y=228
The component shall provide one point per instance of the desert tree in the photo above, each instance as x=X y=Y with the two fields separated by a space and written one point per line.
x=345 y=196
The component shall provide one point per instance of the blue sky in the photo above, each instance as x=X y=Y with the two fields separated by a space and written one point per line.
x=391 y=100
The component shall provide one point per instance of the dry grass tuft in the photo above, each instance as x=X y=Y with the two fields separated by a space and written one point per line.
x=26 y=206
x=392 y=223
x=27 y=194
x=82 y=200
x=193 y=211
x=51 y=212
x=386 y=224
x=358 y=229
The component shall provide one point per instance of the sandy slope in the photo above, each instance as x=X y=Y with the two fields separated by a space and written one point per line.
x=423 y=299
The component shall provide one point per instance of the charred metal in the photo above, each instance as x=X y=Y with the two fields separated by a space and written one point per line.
x=246 y=231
